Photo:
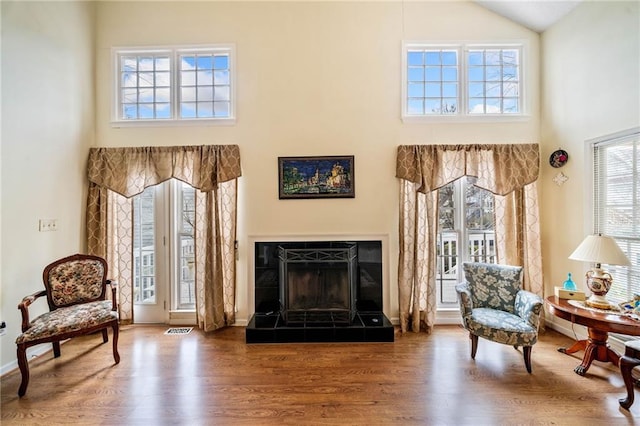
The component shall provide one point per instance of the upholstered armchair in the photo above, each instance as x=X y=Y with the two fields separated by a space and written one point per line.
x=495 y=307
x=76 y=292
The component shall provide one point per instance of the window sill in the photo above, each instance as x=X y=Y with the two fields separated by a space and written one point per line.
x=512 y=118
x=175 y=123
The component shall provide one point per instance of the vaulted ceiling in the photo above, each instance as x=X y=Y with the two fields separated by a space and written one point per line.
x=537 y=15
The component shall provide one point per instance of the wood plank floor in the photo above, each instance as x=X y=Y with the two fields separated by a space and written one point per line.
x=217 y=379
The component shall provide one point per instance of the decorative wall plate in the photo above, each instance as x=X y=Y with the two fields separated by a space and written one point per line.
x=558 y=158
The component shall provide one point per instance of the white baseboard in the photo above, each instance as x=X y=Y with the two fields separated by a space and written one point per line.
x=32 y=352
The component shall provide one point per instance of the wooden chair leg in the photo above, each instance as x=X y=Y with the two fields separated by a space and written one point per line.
x=56 y=349
x=626 y=365
x=526 y=350
x=474 y=345
x=116 y=355
x=24 y=369
x=105 y=335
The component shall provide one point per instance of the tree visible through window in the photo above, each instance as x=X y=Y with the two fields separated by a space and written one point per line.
x=461 y=80
x=465 y=233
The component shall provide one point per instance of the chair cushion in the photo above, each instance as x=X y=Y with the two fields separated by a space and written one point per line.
x=501 y=327
x=76 y=282
x=493 y=286
x=69 y=319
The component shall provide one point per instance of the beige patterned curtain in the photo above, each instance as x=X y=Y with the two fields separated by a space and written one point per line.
x=508 y=171
x=117 y=174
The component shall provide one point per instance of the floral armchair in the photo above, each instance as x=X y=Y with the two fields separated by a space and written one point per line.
x=495 y=307
x=76 y=292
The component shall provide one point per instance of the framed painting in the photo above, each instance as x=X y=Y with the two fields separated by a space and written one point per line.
x=316 y=177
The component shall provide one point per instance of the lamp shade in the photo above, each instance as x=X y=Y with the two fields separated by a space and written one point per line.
x=600 y=249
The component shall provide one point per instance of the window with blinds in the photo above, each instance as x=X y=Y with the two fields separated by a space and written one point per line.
x=616 y=162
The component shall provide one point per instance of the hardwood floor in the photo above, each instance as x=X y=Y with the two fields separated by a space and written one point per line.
x=217 y=379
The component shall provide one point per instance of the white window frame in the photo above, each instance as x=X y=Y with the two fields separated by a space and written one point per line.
x=462 y=114
x=463 y=239
x=174 y=53
x=593 y=224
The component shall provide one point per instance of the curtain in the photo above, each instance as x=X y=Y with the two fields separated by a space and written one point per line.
x=117 y=174
x=508 y=171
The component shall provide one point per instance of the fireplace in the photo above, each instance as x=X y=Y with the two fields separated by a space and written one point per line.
x=317 y=285
x=309 y=291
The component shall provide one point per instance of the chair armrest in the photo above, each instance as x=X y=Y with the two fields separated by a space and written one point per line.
x=528 y=307
x=24 y=307
x=114 y=285
x=464 y=298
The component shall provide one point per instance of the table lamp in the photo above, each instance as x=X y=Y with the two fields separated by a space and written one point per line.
x=599 y=249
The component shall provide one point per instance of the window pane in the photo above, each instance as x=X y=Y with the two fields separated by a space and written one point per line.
x=129 y=63
x=145 y=79
x=129 y=79
x=416 y=74
x=476 y=74
x=450 y=74
x=433 y=106
x=450 y=90
x=205 y=93
x=144 y=247
x=475 y=58
x=500 y=94
x=221 y=93
x=205 y=109
x=205 y=78
x=146 y=63
x=433 y=90
x=188 y=109
x=433 y=58
x=476 y=105
x=188 y=78
x=416 y=90
x=188 y=94
x=221 y=109
x=415 y=58
x=450 y=105
x=145 y=110
x=449 y=58
x=129 y=96
x=433 y=74
x=163 y=63
x=415 y=106
x=205 y=62
x=476 y=90
x=510 y=105
x=493 y=90
x=163 y=110
x=221 y=77
x=163 y=95
x=221 y=62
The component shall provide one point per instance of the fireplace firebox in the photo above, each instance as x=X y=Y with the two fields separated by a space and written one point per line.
x=317 y=284
x=310 y=291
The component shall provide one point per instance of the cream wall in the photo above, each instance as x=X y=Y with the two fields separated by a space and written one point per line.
x=47 y=129
x=590 y=88
x=313 y=79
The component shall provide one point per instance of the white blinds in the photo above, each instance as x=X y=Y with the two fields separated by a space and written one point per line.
x=617 y=206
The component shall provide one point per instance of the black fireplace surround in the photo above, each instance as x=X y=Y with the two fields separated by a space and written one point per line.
x=318 y=291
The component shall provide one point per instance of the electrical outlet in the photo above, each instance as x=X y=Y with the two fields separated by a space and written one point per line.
x=46 y=225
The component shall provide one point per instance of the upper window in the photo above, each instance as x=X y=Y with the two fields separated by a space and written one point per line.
x=174 y=84
x=461 y=80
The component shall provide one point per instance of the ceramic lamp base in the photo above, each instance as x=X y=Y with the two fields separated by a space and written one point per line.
x=596 y=301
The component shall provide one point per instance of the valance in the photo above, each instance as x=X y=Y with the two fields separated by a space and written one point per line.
x=128 y=171
x=500 y=168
